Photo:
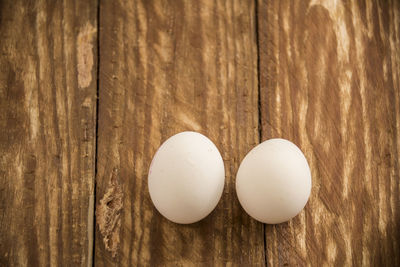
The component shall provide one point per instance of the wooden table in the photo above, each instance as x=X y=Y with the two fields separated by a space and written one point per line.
x=90 y=89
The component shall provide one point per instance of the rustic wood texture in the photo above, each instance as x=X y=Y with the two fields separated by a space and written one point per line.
x=47 y=138
x=324 y=74
x=167 y=67
x=329 y=77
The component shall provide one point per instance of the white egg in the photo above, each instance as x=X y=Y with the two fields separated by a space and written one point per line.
x=186 y=177
x=273 y=182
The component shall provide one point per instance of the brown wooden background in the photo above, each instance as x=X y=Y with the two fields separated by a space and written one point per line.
x=90 y=89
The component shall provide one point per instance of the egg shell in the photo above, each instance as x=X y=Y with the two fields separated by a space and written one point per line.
x=186 y=177
x=273 y=182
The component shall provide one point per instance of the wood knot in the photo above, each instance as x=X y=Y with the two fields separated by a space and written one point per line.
x=108 y=213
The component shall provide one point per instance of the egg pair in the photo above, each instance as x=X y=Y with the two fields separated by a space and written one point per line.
x=186 y=179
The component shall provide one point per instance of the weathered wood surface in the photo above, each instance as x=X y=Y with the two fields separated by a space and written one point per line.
x=325 y=73
x=329 y=77
x=47 y=132
x=167 y=67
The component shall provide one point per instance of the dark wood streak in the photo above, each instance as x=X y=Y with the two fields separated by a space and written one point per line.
x=168 y=67
x=47 y=123
x=330 y=83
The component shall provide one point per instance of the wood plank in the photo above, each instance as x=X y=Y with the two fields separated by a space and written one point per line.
x=167 y=67
x=47 y=139
x=330 y=73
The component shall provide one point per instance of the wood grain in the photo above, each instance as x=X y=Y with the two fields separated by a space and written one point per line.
x=47 y=141
x=329 y=77
x=167 y=67
x=324 y=74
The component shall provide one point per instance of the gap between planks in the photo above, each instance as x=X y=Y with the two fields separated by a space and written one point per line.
x=256 y=26
x=91 y=261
